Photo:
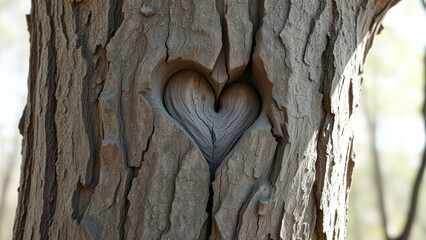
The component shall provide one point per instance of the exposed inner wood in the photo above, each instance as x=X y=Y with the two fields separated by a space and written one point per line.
x=214 y=125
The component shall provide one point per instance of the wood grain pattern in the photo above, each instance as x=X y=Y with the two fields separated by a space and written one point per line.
x=214 y=125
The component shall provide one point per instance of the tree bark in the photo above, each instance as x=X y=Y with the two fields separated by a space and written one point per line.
x=110 y=153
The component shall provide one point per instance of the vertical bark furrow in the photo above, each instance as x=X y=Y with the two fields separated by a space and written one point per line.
x=324 y=163
x=63 y=25
x=167 y=8
x=80 y=200
x=360 y=10
x=50 y=177
x=297 y=170
x=320 y=165
x=255 y=16
x=115 y=17
x=125 y=205
x=350 y=167
x=123 y=199
x=237 y=37
x=314 y=21
x=87 y=96
x=89 y=117
x=221 y=8
x=27 y=129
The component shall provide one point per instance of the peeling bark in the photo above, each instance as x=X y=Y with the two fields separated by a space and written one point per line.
x=105 y=157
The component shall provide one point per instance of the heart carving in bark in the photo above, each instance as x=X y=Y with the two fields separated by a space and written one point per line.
x=214 y=125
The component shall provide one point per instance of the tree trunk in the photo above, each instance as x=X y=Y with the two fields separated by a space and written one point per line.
x=192 y=119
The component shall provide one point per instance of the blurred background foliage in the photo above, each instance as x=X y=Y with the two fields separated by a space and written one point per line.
x=14 y=55
x=392 y=97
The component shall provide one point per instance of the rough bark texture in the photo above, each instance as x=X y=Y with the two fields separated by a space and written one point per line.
x=103 y=158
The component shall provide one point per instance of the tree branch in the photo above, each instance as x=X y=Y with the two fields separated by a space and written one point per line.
x=378 y=175
x=416 y=188
x=413 y=204
x=377 y=171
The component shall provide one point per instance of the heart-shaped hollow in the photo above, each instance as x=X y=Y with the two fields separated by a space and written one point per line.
x=214 y=125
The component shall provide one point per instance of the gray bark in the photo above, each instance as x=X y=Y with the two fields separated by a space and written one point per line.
x=110 y=153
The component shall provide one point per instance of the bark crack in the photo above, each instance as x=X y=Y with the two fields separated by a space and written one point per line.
x=50 y=179
x=64 y=26
x=27 y=130
x=168 y=32
x=221 y=10
x=125 y=203
x=115 y=17
x=181 y=157
x=148 y=142
x=326 y=126
x=89 y=108
x=312 y=24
